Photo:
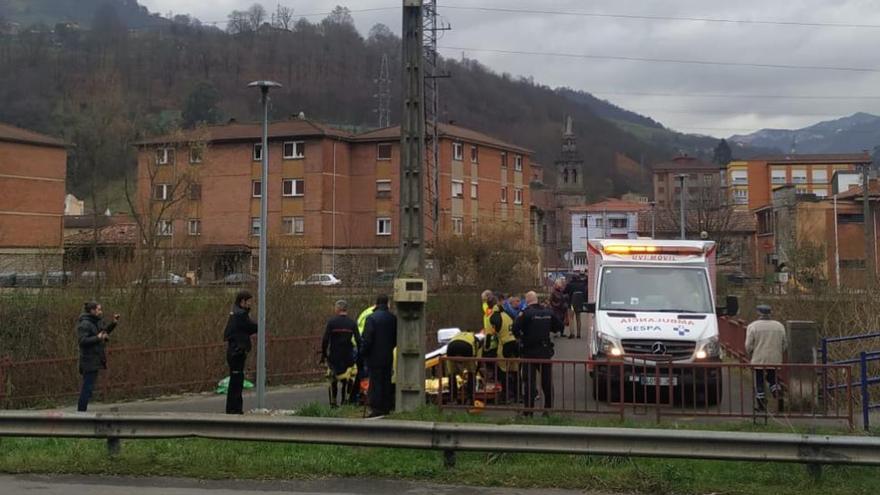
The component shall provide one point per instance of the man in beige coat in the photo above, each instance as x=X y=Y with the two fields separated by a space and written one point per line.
x=765 y=345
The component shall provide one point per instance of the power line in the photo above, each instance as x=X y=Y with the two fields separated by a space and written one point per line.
x=734 y=95
x=663 y=17
x=663 y=60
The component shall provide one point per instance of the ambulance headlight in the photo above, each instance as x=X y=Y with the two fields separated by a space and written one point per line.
x=610 y=346
x=708 y=348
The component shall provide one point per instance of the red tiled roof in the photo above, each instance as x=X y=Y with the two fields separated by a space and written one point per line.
x=119 y=234
x=855 y=192
x=250 y=131
x=18 y=135
x=613 y=204
x=445 y=130
x=816 y=158
x=686 y=162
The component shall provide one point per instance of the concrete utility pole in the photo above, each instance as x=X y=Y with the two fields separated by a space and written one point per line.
x=410 y=390
x=682 y=178
x=870 y=264
x=264 y=237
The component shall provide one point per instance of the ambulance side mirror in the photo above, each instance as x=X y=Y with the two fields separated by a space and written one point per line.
x=731 y=307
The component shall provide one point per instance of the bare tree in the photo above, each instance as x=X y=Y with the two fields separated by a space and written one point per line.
x=256 y=15
x=283 y=17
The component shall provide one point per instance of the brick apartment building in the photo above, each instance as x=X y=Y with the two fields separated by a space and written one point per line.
x=796 y=233
x=333 y=196
x=33 y=168
x=705 y=182
x=755 y=179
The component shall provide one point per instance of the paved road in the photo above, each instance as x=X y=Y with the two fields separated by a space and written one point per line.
x=79 y=485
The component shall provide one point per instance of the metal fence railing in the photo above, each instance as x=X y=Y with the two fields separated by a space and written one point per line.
x=137 y=372
x=813 y=450
x=647 y=389
x=864 y=360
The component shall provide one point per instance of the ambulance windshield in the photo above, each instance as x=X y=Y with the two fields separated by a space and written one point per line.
x=655 y=289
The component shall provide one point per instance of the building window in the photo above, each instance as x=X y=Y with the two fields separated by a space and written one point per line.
x=293 y=225
x=195 y=192
x=517 y=163
x=164 y=228
x=256 y=188
x=162 y=192
x=258 y=152
x=293 y=187
x=799 y=176
x=844 y=218
x=600 y=222
x=457 y=225
x=457 y=152
x=820 y=176
x=475 y=154
x=708 y=179
x=195 y=227
x=777 y=176
x=740 y=177
x=504 y=195
x=383 y=151
x=457 y=189
x=765 y=222
x=383 y=188
x=255 y=264
x=852 y=264
x=820 y=192
x=741 y=196
x=164 y=156
x=383 y=226
x=255 y=226
x=195 y=154
x=618 y=223
x=503 y=159
x=294 y=150
x=474 y=187
x=518 y=196
x=585 y=222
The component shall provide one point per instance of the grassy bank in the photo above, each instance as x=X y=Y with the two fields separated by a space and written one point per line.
x=249 y=460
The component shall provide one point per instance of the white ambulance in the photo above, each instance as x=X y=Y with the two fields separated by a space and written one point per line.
x=653 y=306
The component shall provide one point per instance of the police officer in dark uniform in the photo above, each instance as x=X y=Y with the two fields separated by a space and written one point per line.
x=533 y=328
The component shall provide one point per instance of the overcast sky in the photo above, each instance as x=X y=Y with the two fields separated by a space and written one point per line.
x=740 y=111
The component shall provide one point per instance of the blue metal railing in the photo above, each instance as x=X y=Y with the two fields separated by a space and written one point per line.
x=865 y=380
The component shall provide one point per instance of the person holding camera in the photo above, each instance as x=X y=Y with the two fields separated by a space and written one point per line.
x=239 y=328
x=93 y=334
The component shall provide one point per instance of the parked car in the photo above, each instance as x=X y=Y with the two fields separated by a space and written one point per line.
x=322 y=279
x=236 y=279
x=29 y=279
x=383 y=279
x=167 y=279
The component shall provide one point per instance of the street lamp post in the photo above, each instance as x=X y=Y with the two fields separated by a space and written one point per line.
x=264 y=237
x=682 y=178
x=653 y=223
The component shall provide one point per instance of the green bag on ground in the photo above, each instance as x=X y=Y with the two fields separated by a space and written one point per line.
x=223 y=385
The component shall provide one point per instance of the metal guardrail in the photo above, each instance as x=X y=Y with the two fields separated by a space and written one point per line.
x=814 y=450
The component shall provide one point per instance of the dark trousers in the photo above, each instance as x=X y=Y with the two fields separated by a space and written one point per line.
x=509 y=378
x=761 y=375
x=456 y=368
x=531 y=383
x=85 y=393
x=234 y=402
x=381 y=392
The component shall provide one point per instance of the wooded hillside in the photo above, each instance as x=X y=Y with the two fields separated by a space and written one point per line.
x=103 y=87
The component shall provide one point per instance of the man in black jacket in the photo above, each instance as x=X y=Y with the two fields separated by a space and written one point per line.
x=339 y=349
x=379 y=341
x=239 y=328
x=533 y=328
x=92 y=334
x=576 y=292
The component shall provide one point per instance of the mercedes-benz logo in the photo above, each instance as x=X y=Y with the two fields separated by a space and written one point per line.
x=658 y=348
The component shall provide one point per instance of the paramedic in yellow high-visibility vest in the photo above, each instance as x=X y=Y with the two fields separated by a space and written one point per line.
x=487 y=309
x=362 y=372
x=463 y=345
x=508 y=371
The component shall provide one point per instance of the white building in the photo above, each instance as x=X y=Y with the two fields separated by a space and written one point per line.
x=608 y=219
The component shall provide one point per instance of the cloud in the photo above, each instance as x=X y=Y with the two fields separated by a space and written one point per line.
x=665 y=39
